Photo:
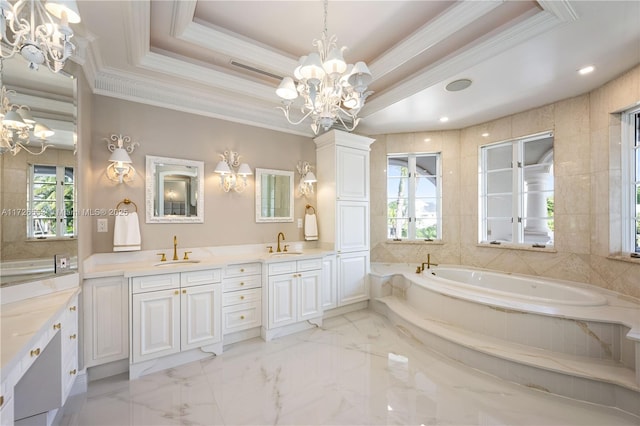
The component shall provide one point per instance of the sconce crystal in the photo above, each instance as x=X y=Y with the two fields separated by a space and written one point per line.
x=226 y=168
x=307 y=178
x=121 y=170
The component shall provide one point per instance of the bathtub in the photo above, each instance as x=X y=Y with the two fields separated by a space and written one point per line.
x=566 y=338
x=529 y=289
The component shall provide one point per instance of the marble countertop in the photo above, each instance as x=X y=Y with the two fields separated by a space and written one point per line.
x=619 y=308
x=204 y=260
x=23 y=322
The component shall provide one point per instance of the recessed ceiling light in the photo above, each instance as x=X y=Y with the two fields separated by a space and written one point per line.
x=444 y=119
x=485 y=135
x=427 y=139
x=586 y=70
x=457 y=85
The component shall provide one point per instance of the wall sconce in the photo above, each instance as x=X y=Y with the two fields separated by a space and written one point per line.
x=307 y=178
x=120 y=170
x=226 y=168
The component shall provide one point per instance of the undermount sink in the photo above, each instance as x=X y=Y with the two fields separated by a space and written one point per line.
x=175 y=262
x=286 y=253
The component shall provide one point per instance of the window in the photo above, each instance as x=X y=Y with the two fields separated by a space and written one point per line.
x=51 y=202
x=516 y=191
x=413 y=197
x=631 y=183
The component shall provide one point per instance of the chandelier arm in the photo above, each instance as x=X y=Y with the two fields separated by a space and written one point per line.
x=355 y=123
x=42 y=148
x=286 y=115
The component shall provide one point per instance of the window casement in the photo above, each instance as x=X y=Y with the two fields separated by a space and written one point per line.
x=630 y=168
x=51 y=202
x=414 y=197
x=516 y=191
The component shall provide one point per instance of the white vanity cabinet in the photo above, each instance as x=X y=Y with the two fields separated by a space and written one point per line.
x=45 y=373
x=106 y=320
x=242 y=298
x=175 y=312
x=343 y=210
x=329 y=282
x=295 y=291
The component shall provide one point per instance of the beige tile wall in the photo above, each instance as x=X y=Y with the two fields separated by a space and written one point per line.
x=587 y=176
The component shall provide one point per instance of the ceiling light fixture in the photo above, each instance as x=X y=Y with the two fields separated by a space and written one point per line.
x=17 y=126
x=458 y=85
x=444 y=119
x=586 y=70
x=331 y=89
x=39 y=30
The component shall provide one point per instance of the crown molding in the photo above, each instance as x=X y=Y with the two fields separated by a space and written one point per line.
x=457 y=62
x=433 y=32
x=137 y=27
x=562 y=9
x=183 y=12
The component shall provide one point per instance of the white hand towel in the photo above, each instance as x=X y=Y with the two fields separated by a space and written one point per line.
x=126 y=232
x=310 y=227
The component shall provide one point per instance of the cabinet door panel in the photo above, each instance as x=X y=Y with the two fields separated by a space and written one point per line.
x=157 y=319
x=309 y=295
x=201 y=307
x=329 y=283
x=353 y=285
x=282 y=300
x=352 y=174
x=106 y=320
x=352 y=223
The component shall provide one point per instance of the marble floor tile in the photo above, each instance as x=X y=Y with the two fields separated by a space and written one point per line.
x=354 y=370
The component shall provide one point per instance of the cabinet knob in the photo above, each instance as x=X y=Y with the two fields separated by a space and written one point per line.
x=72 y=308
x=241 y=297
x=176 y=292
x=57 y=326
x=241 y=317
x=72 y=372
x=241 y=269
x=35 y=352
x=242 y=283
x=184 y=291
x=1 y=400
x=73 y=336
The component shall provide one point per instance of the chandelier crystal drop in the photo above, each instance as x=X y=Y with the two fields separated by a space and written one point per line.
x=39 y=30
x=331 y=89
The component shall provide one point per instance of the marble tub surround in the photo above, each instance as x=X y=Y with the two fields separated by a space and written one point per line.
x=584 y=352
x=39 y=287
x=143 y=262
x=357 y=369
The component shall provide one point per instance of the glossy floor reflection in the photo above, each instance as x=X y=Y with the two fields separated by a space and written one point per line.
x=355 y=370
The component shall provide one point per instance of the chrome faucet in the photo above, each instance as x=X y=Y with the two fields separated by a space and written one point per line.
x=280 y=234
x=428 y=263
x=175 y=247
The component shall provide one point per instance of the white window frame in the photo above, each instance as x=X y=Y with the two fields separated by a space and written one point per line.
x=517 y=190
x=628 y=163
x=411 y=231
x=60 y=212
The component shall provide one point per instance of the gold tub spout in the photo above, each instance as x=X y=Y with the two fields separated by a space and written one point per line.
x=428 y=263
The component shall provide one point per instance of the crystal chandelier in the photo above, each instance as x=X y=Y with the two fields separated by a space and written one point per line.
x=331 y=89
x=17 y=126
x=39 y=30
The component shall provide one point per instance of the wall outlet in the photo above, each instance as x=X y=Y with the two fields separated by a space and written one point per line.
x=299 y=223
x=102 y=225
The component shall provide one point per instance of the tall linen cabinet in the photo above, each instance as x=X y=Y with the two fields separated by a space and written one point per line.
x=343 y=209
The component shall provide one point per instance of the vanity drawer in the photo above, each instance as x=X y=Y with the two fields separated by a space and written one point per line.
x=155 y=282
x=69 y=373
x=241 y=283
x=282 y=268
x=239 y=269
x=35 y=350
x=241 y=296
x=241 y=317
x=207 y=276
x=309 y=264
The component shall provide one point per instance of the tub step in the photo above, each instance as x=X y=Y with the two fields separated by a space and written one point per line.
x=599 y=370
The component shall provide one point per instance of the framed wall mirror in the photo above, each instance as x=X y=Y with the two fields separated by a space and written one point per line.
x=274 y=196
x=174 y=190
x=38 y=189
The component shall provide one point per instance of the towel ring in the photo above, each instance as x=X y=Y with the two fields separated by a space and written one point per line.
x=309 y=206
x=126 y=201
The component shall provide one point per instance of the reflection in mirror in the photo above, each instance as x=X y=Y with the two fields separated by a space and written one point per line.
x=274 y=196
x=175 y=190
x=37 y=192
